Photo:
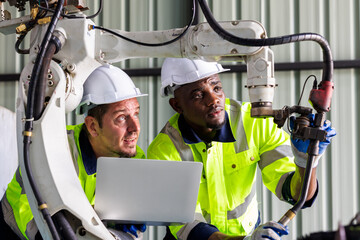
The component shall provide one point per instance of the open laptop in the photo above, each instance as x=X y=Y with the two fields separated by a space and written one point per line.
x=153 y=192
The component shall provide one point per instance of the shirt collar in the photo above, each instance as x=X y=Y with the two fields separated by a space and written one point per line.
x=224 y=134
x=88 y=156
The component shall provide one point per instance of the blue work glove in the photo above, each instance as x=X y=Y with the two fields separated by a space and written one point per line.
x=131 y=228
x=299 y=147
x=270 y=230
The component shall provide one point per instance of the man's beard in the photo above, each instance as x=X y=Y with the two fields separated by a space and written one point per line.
x=127 y=155
x=216 y=126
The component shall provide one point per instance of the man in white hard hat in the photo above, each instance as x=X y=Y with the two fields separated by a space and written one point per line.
x=111 y=129
x=220 y=133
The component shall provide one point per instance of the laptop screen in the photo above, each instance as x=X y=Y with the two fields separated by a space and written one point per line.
x=153 y=192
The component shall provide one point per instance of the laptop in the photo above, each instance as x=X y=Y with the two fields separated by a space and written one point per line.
x=151 y=192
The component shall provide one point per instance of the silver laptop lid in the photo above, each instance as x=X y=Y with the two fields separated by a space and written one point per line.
x=153 y=192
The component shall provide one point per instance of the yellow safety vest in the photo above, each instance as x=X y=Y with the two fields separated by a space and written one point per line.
x=16 y=208
x=227 y=193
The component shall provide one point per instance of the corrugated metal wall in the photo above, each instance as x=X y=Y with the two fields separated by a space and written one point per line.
x=338 y=21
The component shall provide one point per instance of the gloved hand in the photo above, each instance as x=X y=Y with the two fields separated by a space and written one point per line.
x=270 y=230
x=131 y=228
x=299 y=147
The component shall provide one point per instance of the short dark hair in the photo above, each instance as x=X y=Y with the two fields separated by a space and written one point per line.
x=98 y=112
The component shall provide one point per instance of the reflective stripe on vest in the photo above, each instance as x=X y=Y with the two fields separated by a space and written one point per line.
x=19 y=180
x=207 y=216
x=268 y=158
x=183 y=149
x=237 y=211
x=241 y=144
x=278 y=190
x=199 y=217
x=241 y=209
x=9 y=216
x=30 y=229
x=184 y=232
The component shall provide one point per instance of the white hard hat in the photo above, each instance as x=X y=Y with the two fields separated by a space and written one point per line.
x=179 y=71
x=107 y=84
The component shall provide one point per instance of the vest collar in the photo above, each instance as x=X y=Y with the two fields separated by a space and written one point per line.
x=87 y=153
x=224 y=134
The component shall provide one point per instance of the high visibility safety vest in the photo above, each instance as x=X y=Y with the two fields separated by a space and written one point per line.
x=15 y=205
x=227 y=193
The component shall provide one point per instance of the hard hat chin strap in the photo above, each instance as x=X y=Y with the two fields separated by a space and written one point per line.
x=169 y=90
x=84 y=109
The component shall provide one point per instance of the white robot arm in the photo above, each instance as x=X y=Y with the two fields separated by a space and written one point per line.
x=85 y=48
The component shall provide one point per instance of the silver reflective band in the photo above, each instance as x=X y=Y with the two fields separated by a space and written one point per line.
x=184 y=232
x=280 y=184
x=241 y=209
x=241 y=143
x=183 y=149
x=279 y=152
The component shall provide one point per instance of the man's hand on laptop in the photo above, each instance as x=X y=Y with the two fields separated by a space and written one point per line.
x=131 y=228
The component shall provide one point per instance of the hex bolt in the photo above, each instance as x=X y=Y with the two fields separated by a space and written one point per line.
x=71 y=67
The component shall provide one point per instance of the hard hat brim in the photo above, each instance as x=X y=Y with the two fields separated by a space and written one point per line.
x=82 y=108
x=169 y=90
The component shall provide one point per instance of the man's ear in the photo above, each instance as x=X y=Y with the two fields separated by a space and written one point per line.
x=175 y=105
x=92 y=125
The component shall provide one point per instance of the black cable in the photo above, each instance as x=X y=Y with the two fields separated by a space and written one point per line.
x=41 y=86
x=64 y=227
x=17 y=45
x=30 y=118
x=47 y=5
x=29 y=25
x=61 y=222
x=302 y=91
x=74 y=16
x=153 y=44
x=327 y=55
x=98 y=12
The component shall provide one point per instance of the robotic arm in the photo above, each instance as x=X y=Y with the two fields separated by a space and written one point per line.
x=84 y=49
x=75 y=49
